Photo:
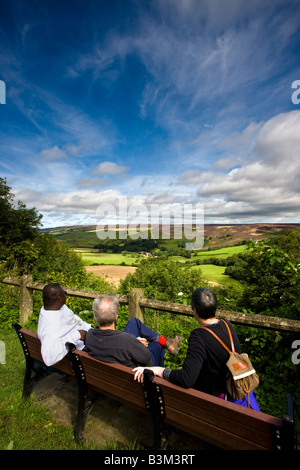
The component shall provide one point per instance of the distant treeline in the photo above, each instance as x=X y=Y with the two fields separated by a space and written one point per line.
x=117 y=246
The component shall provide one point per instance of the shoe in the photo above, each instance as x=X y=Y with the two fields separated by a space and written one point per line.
x=173 y=345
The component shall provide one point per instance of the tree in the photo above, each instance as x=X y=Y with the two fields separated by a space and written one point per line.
x=271 y=274
x=27 y=251
x=163 y=279
x=17 y=223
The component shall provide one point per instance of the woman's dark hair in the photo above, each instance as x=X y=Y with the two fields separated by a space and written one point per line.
x=205 y=302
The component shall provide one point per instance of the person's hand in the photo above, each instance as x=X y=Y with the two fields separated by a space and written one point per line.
x=143 y=341
x=139 y=372
x=82 y=335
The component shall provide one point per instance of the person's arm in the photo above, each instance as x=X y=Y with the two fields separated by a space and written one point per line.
x=185 y=376
x=140 y=354
x=192 y=365
x=82 y=335
x=139 y=372
x=82 y=325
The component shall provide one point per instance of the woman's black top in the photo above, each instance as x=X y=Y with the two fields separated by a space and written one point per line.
x=204 y=367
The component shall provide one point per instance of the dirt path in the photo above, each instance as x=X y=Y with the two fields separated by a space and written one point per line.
x=112 y=273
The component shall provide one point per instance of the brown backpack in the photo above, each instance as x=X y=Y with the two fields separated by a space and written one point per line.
x=241 y=378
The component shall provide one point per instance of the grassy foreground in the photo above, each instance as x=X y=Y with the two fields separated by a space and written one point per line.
x=26 y=425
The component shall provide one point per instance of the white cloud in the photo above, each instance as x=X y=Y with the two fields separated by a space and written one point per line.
x=192 y=177
x=54 y=153
x=279 y=138
x=268 y=183
x=109 y=168
x=74 y=202
x=84 y=183
x=225 y=163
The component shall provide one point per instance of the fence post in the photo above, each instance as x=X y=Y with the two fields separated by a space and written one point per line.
x=134 y=309
x=26 y=299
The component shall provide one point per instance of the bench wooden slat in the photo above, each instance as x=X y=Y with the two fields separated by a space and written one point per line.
x=213 y=434
x=214 y=428
x=220 y=408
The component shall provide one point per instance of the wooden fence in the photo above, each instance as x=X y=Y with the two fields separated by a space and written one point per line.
x=137 y=303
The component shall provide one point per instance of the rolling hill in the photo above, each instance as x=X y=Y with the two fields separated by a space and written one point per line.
x=85 y=236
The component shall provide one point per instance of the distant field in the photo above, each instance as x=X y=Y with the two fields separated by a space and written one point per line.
x=90 y=258
x=210 y=272
x=222 y=252
x=216 y=274
x=215 y=235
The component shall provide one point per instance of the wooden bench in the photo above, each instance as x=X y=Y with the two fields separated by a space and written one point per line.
x=224 y=424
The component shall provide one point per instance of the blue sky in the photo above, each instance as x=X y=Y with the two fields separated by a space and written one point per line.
x=164 y=101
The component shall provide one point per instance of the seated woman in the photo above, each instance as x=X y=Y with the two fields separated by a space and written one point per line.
x=204 y=367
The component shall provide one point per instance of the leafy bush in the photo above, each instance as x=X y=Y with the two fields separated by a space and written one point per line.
x=271 y=275
x=164 y=279
x=270 y=353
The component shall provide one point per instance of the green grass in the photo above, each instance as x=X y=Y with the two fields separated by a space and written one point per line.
x=216 y=274
x=221 y=252
x=211 y=272
x=24 y=424
x=90 y=258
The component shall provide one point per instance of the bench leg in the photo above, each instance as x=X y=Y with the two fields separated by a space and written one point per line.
x=86 y=401
x=33 y=371
x=86 y=397
x=32 y=376
x=155 y=404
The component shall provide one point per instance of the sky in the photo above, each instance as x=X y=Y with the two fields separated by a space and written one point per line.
x=156 y=102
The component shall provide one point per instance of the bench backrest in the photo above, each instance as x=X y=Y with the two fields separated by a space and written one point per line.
x=33 y=345
x=209 y=418
x=217 y=421
x=113 y=380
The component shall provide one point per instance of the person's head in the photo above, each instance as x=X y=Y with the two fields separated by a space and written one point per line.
x=105 y=309
x=204 y=301
x=54 y=296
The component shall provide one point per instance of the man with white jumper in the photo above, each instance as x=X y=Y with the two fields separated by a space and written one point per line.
x=58 y=325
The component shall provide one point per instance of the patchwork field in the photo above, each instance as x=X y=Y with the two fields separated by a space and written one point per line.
x=109 y=264
x=91 y=257
x=113 y=273
x=116 y=266
x=84 y=236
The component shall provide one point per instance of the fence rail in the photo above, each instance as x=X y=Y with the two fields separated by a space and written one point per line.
x=137 y=303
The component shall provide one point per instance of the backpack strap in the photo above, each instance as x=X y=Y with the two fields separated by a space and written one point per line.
x=230 y=335
x=220 y=341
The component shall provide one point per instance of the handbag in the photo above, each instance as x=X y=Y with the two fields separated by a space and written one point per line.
x=241 y=377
